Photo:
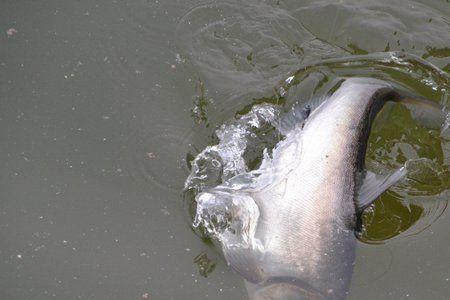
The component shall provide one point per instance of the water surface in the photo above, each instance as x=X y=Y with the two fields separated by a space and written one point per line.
x=103 y=104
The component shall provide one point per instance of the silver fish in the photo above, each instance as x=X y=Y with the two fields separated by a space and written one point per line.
x=298 y=213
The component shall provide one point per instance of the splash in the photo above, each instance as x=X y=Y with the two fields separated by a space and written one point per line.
x=221 y=178
x=219 y=163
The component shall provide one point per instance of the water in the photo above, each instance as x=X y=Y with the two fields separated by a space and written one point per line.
x=103 y=104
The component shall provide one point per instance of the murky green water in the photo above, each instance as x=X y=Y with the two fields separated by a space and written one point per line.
x=103 y=102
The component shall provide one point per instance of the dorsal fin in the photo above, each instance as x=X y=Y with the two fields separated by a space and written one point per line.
x=297 y=115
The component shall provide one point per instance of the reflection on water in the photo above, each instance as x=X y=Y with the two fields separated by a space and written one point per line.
x=395 y=139
x=205 y=265
x=389 y=217
x=201 y=102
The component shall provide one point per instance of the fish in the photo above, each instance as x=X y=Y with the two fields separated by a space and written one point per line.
x=298 y=214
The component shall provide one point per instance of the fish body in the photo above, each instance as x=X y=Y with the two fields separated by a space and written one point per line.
x=307 y=220
x=303 y=226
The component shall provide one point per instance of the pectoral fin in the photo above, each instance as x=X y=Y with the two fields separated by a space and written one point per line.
x=297 y=115
x=373 y=185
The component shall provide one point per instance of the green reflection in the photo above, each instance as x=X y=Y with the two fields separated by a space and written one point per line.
x=355 y=49
x=446 y=68
x=387 y=218
x=205 y=265
x=275 y=99
x=395 y=139
x=436 y=52
x=201 y=102
x=264 y=137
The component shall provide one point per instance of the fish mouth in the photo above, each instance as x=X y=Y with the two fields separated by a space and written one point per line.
x=285 y=288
